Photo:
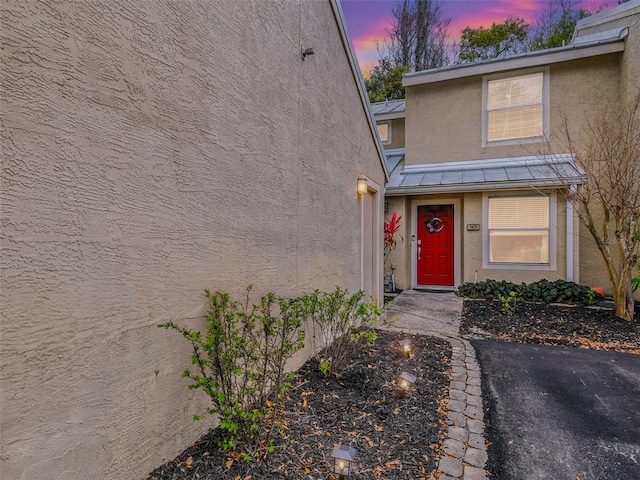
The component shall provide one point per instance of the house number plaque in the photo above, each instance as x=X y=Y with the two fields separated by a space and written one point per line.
x=473 y=227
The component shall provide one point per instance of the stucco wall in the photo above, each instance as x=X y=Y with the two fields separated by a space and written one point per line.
x=399 y=258
x=628 y=15
x=397 y=133
x=444 y=119
x=151 y=150
x=592 y=266
x=473 y=244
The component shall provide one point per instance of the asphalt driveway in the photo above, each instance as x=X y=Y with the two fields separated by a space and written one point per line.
x=560 y=413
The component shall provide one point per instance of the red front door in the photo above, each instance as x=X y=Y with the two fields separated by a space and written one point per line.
x=435 y=245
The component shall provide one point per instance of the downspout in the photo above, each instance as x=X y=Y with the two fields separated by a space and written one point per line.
x=569 y=240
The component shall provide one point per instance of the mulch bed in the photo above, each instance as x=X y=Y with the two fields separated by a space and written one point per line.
x=396 y=438
x=583 y=327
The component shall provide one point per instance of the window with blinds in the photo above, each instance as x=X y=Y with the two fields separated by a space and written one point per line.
x=515 y=107
x=519 y=229
x=384 y=132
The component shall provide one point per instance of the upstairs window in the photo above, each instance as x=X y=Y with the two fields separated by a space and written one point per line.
x=518 y=230
x=515 y=107
x=384 y=130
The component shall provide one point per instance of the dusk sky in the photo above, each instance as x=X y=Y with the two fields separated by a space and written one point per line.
x=367 y=20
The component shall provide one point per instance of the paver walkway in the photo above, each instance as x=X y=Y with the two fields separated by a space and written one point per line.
x=438 y=314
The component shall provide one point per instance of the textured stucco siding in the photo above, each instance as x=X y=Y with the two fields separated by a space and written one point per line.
x=630 y=64
x=151 y=150
x=592 y=267
x=473 y=242
x=397 y=126
x=444 y=120
x=400 y=257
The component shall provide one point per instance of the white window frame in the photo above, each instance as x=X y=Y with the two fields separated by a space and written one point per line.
x=553 y=233
x=388 y=140
x=545 y=108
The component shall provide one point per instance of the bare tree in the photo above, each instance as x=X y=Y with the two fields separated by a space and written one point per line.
x=555 y=25
x=607 y=150
x=418 y=35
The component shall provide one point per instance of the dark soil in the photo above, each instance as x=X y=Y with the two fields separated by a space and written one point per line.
x=396 y=438
x=573 y=326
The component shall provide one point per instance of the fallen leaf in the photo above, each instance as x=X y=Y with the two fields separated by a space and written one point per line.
x=188 y=462
x=228 y=464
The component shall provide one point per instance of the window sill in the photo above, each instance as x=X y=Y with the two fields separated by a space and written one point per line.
x=514 y=141
x=518 y=266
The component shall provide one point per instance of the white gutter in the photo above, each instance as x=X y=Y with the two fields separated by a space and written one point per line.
x=389 y=116
x=570 y=240
x=391 y=191
x=534 y=59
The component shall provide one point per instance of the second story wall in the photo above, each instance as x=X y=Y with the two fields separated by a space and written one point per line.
x=625 y=15
x=396 y=128
x=445 y=119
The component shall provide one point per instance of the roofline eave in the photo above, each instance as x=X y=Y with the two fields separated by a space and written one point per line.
x=534 y=59
x=389 y=116
x=481 y=187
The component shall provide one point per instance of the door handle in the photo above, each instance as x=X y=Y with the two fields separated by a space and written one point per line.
x=419 y=252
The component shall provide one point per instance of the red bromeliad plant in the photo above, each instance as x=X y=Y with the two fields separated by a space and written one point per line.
x=390 y=229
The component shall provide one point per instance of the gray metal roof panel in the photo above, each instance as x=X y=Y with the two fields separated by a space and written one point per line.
x=388 y=106
x=393 y=161
x=412 y=179
x=434 y=178
x=496 y=174
x=452 y=176
x=519 y=173
x=483 y=174
x=473 y=176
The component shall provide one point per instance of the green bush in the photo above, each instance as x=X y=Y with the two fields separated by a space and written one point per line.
x=635 y=281
x=345 y=323
x=487 y=289
x=542 y=291
x=240 y=364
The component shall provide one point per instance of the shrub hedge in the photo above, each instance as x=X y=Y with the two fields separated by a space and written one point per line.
x=542 y=291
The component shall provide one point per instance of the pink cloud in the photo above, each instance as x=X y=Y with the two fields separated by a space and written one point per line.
x=368 y=20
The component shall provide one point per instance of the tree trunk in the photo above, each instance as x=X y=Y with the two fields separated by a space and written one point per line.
x=623 y=299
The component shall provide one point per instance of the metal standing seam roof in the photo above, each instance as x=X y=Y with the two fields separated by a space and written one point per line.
x=480 y=175
x=388 y=107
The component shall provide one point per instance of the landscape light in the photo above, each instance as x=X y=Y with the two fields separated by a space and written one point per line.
x=405 y=345
x=405 y=383
x=343 y=460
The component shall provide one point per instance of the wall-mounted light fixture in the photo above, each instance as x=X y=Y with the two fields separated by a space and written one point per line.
x=363 y=186
x=306 y=52
x=343 y=459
